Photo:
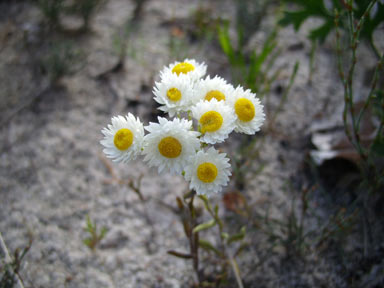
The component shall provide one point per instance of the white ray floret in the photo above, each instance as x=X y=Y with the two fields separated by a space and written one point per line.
x=169 y=144
x=174 y=93
x=189 y=67
x=209 y=88
x=248 y=111
x=123 y=139
x=216 y=120
x=208 y=172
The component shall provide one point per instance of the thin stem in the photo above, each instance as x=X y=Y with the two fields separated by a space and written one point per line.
x=354 y=33
x=8 y=258
x=342 y=78
x=194 y=239
x=236 y=270
x=371 y=92
x=220 y=223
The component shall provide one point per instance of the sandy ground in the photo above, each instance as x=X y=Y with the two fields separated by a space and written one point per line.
x=53 y=172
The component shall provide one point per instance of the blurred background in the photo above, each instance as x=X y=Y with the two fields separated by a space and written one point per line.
x=306 y=192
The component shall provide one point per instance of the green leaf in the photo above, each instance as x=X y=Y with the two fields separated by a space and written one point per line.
x=316 y=8
x=257 y=61
x=225 y=42
x=237 y=237
x=89 y=227
x=241 y=249
x=224 y=235
x=180 y=254
x=88 y=242
x=321 y=32
x=296 y=18
x=103 y=232
x=204 y=226
x=208 y=246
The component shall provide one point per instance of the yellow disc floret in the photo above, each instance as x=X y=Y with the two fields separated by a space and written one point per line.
x=169 y=147
x=183 y=67
x=211 y=121
x=174 y=94
x=123 y=139
x=207 y=172
x=214 y=94
x=244 y=109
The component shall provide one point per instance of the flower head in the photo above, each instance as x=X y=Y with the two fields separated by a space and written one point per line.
x=218 y=88
x=175 y=93
x=208 y=171
x=248 y=111
x=216 y=120
x=188 y=67
x=123 y=139
x=169 y=144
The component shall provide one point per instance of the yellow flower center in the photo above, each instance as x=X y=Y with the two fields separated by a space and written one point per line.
x=123 y=139
x=207 y=172
x=169 y=147
x=174 y=94
x=244 y=109
x=214 y=94
x=183 y=67
x=211 y=121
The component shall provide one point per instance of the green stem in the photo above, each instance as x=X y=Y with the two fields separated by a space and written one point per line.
x=8 y=258
x=371 y=92
x=231 y=259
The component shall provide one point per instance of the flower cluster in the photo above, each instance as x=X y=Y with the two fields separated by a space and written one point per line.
x=180 y=145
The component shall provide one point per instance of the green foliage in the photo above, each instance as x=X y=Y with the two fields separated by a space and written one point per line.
x=61 y=59
x=250 y=70
x=249 y=14
x=204 y=226
x=51 y=10
x=84 y=8
x=203 y=24
x=373 y=101
x=94 y=235
x=317 y=8
x=217 y=251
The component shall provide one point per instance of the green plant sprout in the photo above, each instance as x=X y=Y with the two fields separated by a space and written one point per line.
x=248 y=70
x=10 y=267
x=54 y=9
x=51 y=11
x=95 y=236
x=60 y=60
x=84 y=8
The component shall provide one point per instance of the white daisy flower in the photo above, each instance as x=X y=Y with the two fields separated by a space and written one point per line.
x=248 y=110
x=208 y=171
x=216 y=120
x=217 y=88
x=169 y=144
x=175 y=93
x=189 y=67
x=123 y=139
